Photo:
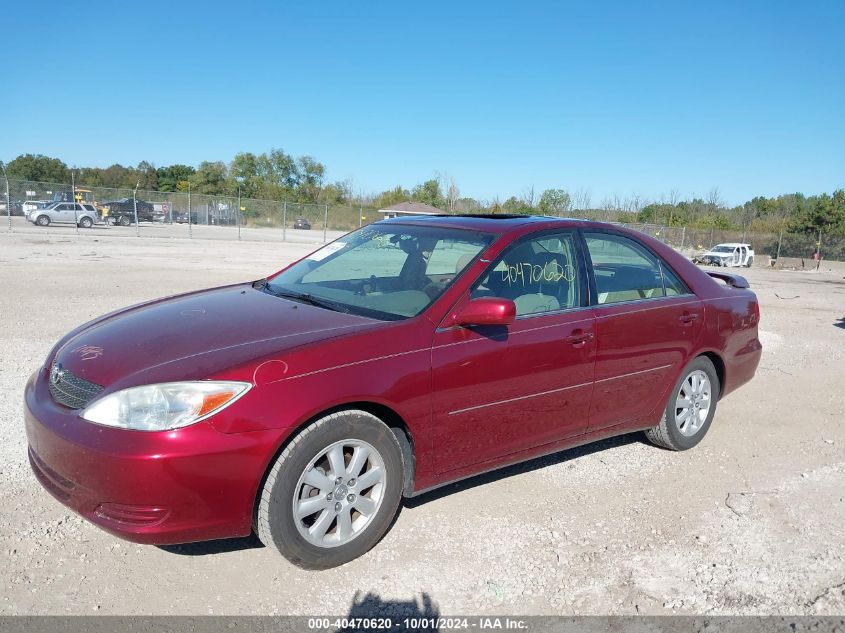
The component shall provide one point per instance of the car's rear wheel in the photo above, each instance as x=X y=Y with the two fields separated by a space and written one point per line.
x=124 y=220
x=86 y=222
x=42 y=220
x=691 y=407
x=333 y=492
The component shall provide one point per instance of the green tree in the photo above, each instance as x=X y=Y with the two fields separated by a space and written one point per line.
x=174 y=177
x=825 y=213
x=516 y=205
x=311 y=173
x=429 y=192
x=555 y=202
x=391 y=197
x=39 y=168
x=210 y=178
x=116 y=176
x=146 y=176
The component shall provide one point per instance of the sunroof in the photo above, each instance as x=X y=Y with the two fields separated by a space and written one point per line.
x=491 y=216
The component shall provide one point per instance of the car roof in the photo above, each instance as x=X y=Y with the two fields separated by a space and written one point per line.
x=497 y=223
x=733 y=244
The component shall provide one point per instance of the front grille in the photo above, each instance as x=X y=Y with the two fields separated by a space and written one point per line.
x=70 y=390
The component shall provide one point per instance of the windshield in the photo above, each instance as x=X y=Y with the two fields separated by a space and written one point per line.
x=723 y=249
x=391 y=271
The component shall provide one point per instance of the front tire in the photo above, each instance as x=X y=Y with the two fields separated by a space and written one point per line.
x=691 y=407
x=333 y=492
x=124 y=220
x=42 y=220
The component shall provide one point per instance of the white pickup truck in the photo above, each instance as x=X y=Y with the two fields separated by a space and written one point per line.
x=730 y=254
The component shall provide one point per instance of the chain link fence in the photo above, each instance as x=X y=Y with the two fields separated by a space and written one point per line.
x=145 y=212
x=691 y=241
x=189 y=211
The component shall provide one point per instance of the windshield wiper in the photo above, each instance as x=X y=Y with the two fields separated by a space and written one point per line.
x=304 y=297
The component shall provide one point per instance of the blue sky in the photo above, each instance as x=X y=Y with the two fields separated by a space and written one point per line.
x=614 y=97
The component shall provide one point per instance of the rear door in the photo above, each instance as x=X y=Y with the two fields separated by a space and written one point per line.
x=501 y=390
x=647 y=322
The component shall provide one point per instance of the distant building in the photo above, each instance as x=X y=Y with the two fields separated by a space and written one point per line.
x=401 y=209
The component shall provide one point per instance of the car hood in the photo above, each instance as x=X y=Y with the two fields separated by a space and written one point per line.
x=192 y=336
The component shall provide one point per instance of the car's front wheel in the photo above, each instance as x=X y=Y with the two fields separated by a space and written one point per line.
x=43 y=220
x=333 y=492
x=691 y=407
x=124 y=220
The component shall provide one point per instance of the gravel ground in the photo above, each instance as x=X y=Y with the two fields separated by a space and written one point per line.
x=749 y=522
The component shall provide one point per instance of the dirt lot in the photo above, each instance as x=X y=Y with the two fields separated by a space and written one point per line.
x=748 y=522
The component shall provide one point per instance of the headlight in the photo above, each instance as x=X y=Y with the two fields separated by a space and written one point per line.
x=165 y=406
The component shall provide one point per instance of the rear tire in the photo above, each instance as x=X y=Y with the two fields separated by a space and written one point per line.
x=42 y=220
x=749 y=262
x=86 y=222
x=691 y=407
x=313 y=509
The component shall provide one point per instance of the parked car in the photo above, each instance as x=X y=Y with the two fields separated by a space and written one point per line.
x=84 y=215
x=33 y=205
x=15 y=207
x=731 y=255
x=302 y=223
x=404 y=356
x=122 y=211
x=181 y=217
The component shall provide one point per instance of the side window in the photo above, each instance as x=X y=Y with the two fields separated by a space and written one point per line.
x=539 y=275
x=624 y=271
x=672 y=284
x=64 y=207
x=450 y=257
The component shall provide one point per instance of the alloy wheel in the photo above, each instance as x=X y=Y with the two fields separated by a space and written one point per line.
x=693 y=403
x=339 y=493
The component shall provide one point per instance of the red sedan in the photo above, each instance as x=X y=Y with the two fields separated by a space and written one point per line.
x=405 y=355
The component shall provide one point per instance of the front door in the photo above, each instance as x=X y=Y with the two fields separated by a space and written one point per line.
x=63 y=212
x=498 y=391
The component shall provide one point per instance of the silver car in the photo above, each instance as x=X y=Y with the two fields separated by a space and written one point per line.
x=84 y=215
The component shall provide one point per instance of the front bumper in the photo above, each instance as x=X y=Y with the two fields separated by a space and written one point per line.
x=189 y=484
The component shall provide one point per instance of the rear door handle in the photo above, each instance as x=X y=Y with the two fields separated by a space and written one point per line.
x=688 y=317
x=579 y=337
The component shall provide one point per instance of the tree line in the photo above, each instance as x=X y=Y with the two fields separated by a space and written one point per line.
x=277 y=175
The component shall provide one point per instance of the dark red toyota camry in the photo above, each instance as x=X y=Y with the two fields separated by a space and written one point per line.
x=405 y=355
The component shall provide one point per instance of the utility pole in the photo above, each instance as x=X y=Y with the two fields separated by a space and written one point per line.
x=285 y=222
x=325 y=223
x=135 y=207
x=190 y=232
x=8 y=201
x=73 y=200
x=240 y=179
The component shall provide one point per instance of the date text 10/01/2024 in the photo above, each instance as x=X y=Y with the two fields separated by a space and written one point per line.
x=416 y=623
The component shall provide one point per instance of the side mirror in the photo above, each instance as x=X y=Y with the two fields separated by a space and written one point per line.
x=486 y=311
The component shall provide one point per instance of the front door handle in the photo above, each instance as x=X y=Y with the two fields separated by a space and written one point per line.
x=688 y=317
x=579 y=337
